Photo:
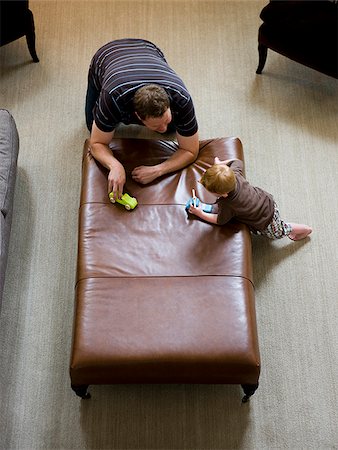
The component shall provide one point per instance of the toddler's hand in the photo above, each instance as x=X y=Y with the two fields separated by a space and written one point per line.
x=218 y=161
x=225 y=161
x=195 y=209
x=199 y=208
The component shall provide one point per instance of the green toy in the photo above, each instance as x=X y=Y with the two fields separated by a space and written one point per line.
x=127 y=201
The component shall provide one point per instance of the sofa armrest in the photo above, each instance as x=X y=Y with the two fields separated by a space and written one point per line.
x=9 y=148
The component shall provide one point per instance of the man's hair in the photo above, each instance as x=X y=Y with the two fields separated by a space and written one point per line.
x=219 y=179
x=151 y=100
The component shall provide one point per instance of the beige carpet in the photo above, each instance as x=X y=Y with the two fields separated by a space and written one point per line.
x=287 y=120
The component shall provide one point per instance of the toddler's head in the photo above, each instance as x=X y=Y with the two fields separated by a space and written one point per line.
x=219 y=179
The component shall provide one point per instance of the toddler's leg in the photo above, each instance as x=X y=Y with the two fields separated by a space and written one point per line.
x=299 y=231
x=278 y=228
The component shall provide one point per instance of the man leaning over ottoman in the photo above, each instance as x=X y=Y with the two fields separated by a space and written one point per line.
x=130 y=81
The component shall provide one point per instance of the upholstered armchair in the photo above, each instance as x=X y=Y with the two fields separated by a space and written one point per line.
x=17 y=21
x=305 y=31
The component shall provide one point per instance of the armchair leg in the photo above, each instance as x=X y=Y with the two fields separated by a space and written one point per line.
x=262 y=52
x=30 y=37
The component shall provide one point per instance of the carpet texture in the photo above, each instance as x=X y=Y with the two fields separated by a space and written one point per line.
x=287 y=121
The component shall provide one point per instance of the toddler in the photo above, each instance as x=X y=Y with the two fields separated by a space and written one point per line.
x=239 y=200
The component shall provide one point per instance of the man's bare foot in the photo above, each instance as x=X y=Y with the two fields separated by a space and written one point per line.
x=299 y=231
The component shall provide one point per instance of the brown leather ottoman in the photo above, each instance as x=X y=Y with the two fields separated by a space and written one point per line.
x=160 y=297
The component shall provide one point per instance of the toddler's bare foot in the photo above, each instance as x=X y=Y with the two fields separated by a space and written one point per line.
x=299 y=231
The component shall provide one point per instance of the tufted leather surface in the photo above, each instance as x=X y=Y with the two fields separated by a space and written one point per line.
x=160 y=297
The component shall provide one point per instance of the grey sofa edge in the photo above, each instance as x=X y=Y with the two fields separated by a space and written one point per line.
x=9 y=149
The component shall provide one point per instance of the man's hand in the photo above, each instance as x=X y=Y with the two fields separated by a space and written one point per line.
x=99 y=142
x=145 y=174
x=116 y=179
x=185 y=154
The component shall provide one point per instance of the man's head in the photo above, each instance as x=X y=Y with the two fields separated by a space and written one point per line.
x=219 y=179
x=152 y=107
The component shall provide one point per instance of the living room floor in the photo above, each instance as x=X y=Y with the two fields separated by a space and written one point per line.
x=286 y=119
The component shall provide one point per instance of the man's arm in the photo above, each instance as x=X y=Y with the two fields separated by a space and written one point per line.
x=186 y=154
x=99 y=141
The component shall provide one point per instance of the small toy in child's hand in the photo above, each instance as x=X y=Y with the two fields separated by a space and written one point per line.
x=127 y=201
x=195 y=201
x=192 y=202
x=194 y=197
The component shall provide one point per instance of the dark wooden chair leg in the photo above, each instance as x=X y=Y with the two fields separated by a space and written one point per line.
x=82 y=391
x=262 y=52
x=249 y=390
x=30 y=36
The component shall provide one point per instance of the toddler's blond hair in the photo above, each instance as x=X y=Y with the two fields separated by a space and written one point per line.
x=219 y=179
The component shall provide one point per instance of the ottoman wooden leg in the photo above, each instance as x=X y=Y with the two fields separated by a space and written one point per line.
x=249 y=390
x=82 y=391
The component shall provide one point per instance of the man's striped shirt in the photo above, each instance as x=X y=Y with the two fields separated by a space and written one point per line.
x=121 y=67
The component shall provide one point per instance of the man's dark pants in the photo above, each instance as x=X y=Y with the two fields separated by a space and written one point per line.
x=91 y=98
